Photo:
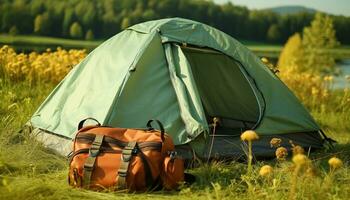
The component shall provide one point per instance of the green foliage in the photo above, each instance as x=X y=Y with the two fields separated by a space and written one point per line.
x=38 y=23
x=313 y=52
x=29 y=171
x=67 y=21
x=76 y=31
x=274 y=33
x=42 y=24
x=149 y=15
x=41 y=43
x=86 y=13
x=105 y=17
x=125 y=23
x=13 y=31
x=89 y=35
x=291 y=54
x=318 y=39
x=303 y=64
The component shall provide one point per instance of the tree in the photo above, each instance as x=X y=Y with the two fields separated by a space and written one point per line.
x=258 y=24
x=85 y=11
x=67 y=21
x=149 y=15
x=292 y=53
x=342 y=25
x=37 y=7
x=42 y=24
x=8 y=17
x=38 y=21
x=318 y=40
x=89 y=35
x=274 y=34
x=125 y=23
x=75 y=30
x=110 y=19
x=13 y=30
x=311 y=53
x=107 y=17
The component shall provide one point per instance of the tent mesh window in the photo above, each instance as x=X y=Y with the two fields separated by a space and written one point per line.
x=225 y=92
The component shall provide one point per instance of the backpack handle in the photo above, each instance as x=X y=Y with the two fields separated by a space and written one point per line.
x=81 y=123
x=160 y=125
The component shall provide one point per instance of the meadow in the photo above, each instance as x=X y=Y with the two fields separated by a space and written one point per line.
x=41 y=43
x=30 y=171
x=27 y=43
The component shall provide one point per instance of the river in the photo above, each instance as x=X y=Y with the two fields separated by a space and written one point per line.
x=341 y=81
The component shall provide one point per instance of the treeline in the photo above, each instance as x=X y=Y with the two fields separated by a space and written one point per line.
x=100 y=19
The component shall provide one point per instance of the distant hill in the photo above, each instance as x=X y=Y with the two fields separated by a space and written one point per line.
x=291 y=9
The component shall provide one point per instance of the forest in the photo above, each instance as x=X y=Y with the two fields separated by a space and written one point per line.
x=100 y=19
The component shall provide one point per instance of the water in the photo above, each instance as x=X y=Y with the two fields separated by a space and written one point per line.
x=340 y=81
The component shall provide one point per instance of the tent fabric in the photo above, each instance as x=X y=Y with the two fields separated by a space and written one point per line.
x=278 y=117
x=191 y=108
x=150 y=95
x=144 y=72
x=91 y=87
x=229 y=147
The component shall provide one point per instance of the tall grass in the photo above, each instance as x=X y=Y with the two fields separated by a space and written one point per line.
x=331 y=108
x=30 y=171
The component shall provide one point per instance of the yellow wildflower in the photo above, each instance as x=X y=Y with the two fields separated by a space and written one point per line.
x=311 y=171
x=49 y=66
x=335 y=163
x=297 y=150
x=281 y=153
x=266 y=171
x=328 y=78
x=275 y=142
x=249 y=135
x=325 y=93
x=314 y=91
x=264 y=60
x=300 y=159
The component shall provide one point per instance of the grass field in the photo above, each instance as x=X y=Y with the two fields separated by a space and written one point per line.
x=40 y=43
x=273 y=50
x=29 y=171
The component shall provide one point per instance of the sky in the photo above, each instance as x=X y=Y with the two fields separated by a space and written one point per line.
x=337 y=7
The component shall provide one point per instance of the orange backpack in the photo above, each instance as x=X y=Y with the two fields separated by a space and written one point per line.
x=119 y=158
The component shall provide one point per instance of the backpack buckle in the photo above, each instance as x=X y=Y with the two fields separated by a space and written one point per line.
x=94 y=150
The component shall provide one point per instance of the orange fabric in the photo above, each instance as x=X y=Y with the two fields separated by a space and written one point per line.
x=104 y=175
x=172 y=173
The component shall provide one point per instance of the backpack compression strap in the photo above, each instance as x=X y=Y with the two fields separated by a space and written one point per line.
x=125 y=159
x=128 y=152
x=90 y=161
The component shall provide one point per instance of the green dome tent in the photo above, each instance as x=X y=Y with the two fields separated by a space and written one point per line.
x=182 y=73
